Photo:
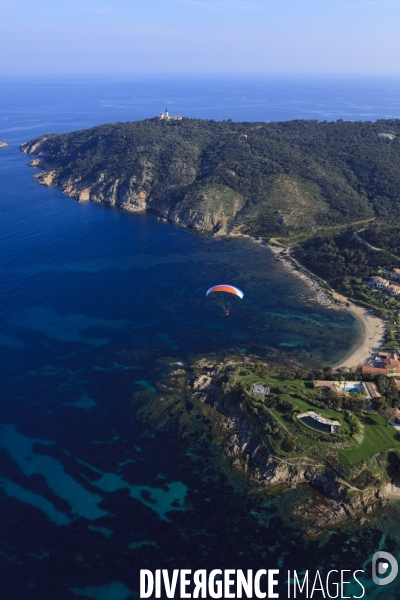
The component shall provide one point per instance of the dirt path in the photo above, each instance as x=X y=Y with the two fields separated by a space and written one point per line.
x=374 y=247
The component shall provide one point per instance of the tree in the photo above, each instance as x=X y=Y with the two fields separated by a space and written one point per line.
x=333 y=400
x=379 y=404
x=288 y=444
x=286 y=406
x=389 y=414
x=357 y=403
x=387 y=387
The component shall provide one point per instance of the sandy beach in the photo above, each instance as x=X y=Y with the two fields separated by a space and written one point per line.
x=372 y=327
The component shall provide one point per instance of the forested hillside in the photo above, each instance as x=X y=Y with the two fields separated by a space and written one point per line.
x=267 y=179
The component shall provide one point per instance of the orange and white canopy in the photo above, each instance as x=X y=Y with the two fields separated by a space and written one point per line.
x=230 y=289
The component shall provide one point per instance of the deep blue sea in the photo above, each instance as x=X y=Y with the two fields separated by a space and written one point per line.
x=92 y=301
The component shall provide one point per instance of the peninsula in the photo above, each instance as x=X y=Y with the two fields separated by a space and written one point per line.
x=280 y=427
x=265 y=179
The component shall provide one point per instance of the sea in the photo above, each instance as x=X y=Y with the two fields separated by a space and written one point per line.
x=96 y=304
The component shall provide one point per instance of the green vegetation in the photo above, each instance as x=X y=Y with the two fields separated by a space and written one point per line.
x=379 y=437
x=213 y=401
x=343 y=260
x=383 y=236
x=360 y=437
x=347 y=263
x=281 y=179
x=393 y=331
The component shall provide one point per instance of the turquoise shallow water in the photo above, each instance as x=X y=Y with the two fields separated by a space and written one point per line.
x=93 y=300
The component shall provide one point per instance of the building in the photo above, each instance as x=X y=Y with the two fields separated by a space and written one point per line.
x=392 y=365
x=394 y=290
x=395 y=274
x=370 y=389
x=387 y=136
x=259 y=389
x=165 y=116
x=373 y=370
x=379 y=282
x=333 y=386
x=391 y=362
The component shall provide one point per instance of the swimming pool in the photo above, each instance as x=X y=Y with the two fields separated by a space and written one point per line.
x=310 y=422
x=351 y=389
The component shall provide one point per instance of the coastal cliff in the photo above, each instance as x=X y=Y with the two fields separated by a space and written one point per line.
x=250 y=452
x=213 y=215
x=229 y=178
x=206 y=406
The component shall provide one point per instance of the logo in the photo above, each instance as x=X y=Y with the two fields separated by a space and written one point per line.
x=384 y=563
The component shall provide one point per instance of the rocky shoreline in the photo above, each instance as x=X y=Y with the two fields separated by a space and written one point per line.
x=323 y=296
x=135 y=196
x=131 y=195
x=336 y=501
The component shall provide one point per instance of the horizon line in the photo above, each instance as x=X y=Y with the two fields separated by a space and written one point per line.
x=191 y=75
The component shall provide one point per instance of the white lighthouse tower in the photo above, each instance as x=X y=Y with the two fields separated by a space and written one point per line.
x=166 y=116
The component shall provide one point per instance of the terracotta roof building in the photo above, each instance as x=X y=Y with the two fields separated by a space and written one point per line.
x=368 y=369
x=371 y=390
x=325 y=386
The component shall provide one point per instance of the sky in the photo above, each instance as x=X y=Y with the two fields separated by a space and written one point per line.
x=200 y=37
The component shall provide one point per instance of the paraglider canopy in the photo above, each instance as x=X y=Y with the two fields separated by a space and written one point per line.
x=230 y=289
x=223 y=294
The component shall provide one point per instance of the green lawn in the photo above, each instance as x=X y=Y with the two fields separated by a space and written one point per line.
x=379 y=437
x=287 y=423
x=305 y=406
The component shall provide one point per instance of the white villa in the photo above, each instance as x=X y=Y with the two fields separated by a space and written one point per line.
x=379 y=282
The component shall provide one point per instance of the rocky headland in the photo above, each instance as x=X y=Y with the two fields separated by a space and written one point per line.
x=211 y=411
x=253 y=454
x=262 y=179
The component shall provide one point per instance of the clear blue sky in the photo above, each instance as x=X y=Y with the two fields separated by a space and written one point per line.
x=200 y=36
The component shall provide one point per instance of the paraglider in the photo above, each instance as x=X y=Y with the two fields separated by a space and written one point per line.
x=223 y=295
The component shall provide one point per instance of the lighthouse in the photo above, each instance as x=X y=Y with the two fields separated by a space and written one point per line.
x=166 y=116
